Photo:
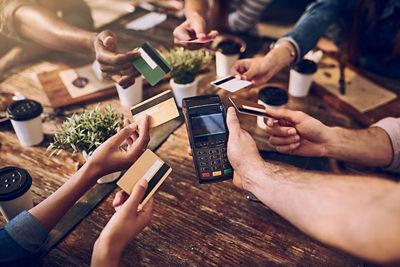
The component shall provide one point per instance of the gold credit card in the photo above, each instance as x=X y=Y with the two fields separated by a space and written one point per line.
x=150 y=167
x=250 y=108
x=161 y=108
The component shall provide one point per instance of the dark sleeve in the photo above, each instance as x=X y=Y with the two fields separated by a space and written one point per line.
x=21 y=238
x=314 y=22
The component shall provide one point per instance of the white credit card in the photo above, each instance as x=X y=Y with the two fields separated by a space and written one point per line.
x=231 y=83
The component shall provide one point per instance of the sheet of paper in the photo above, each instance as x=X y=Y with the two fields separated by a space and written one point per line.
x=94 y=85
x=146 y=22
x=231 y=84
x=361 y=93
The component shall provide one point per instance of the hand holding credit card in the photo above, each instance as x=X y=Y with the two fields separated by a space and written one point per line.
x=160 y=108
x=250 y=108
x=231 y=83
x=204 y=40
x=151 y=64
x=150 y=167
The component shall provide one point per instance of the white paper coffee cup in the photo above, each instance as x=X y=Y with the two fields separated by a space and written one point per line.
x=131 y=95
x=15 y=193
x=25 y=117
x=223 y=63
x=182 y=91
x=301 y=77
x=271 y=97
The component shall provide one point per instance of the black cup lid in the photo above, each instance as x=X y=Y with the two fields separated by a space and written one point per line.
x=229 y=47
x=273 y=96
x=23 y=110
x=14 y=182
x=306 y=67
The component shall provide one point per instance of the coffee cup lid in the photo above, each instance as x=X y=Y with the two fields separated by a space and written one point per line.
x=306 y=66
x=229 y=47
x=14 y=182
x=273 y=96
x=23 y=110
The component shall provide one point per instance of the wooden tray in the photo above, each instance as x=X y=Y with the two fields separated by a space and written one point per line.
x=58 y=94
x=391 y=108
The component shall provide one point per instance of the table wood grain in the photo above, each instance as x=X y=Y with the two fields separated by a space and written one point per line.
x=193 y=224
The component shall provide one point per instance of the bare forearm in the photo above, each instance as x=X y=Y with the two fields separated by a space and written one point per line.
x=104 y=254
x=370 y=147
x=43 y=27
x=357 y=214
x=52 y=209
x=196 y=6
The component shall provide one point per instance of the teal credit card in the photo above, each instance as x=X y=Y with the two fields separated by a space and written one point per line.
x=151 y=64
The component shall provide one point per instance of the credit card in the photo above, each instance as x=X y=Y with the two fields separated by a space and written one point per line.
x=250 y=108
x=231 y=83
x=203 y=40
x=151 y=64
x=161 y=108
x=150 y=167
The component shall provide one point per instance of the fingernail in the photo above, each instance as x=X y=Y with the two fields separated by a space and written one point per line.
x=143 y=183
x=132 y=126
x=117 y=208
x=292 y=131
x=296 y=138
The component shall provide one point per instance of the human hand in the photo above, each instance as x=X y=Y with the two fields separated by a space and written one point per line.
x=298 y=133
x=259 y=70
x=192 y=28
x=111 y=157
x=124 y=225
x=242 y=151
x=114 y=63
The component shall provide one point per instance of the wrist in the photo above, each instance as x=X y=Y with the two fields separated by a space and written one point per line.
x=285 y=51
x=105 y=253
x=335 y=143
x=90 y=42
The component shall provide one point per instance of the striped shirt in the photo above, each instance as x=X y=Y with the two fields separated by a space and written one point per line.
x=245 y=14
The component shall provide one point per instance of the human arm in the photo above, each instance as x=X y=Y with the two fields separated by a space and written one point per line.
x=357 y=214
x=40 y=25
x=195 y=25
x=292 y=46
x=123 y=226
x=300 y=134
x=247 y=15
x=107 y=158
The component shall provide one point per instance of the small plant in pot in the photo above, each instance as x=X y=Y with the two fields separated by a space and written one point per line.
x=85 y=132
x=186 y=65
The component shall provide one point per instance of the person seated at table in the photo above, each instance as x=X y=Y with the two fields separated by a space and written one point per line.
x=359 y=214
x=28 y=29
x=200 y=15
x=22 y=238
x=369 y=39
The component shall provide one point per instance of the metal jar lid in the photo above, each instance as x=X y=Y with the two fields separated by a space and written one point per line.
x=14 y=182
x=306 y=66
x=273 y=96
x=23 y=110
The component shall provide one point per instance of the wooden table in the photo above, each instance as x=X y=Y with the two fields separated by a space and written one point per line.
x=193 y=224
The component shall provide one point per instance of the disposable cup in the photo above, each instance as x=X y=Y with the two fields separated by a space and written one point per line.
x=271 y=97
x=26 y=121
x=15 y=193
x=301 y=77
x=131 y=95
x=224 y=63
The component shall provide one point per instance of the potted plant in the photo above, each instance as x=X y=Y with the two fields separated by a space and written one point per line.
x=185 y=66
x=85 y=132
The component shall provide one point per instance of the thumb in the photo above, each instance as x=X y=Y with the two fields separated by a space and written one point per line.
x=137 y=195
x=110 y=42
x=199 y=28
x=125 y=133
x=232 y=122
x=283 y=113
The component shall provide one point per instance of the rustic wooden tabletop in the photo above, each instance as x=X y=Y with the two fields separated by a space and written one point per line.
x=193 y=224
